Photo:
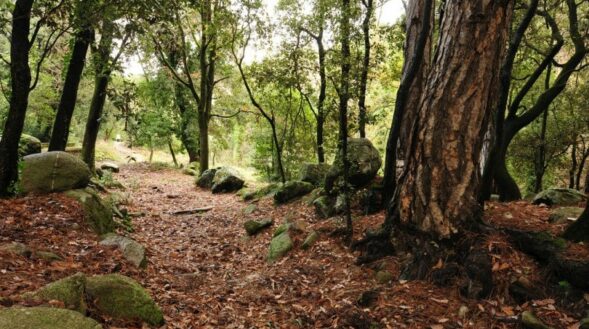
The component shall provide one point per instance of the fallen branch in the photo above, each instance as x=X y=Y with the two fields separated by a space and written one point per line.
x=192 y=212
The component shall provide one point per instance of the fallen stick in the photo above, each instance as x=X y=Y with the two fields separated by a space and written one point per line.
x=192 y=212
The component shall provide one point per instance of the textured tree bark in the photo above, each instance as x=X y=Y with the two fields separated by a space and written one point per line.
x=414 y=25
x=439 y=187
x=420 y=20
x=20 y=73
x=67 y=104
x=503 y=99
x=103 y=72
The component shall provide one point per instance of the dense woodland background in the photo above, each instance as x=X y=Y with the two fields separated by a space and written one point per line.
x=292 y=79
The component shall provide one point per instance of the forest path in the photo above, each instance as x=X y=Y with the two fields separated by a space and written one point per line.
x=205 y=271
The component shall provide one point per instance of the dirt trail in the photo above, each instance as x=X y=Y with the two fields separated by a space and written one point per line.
x=207 y=273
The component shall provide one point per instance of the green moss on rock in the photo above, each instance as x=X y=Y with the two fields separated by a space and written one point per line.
x=70 y=291
x=123 y=298
x=44 y=318
x=292 y=190
x=310 y=240
x=29 y=145
x=53 y=172
x=279 y=247
x=98 y=214
x=253 y=227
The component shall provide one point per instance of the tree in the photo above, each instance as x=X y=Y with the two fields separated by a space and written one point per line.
x=579 y=230
x=420 y=20
x=344 y=97
x=242 y=35
x=104 y=64
x=184 y=43
x=437 y=192
x=512 y=118
x=22 y=81
x=82 y=39
x=362 y=118
x=320 y=112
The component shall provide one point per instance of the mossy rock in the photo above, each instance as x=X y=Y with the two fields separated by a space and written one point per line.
x=365 y=162
x=17 y=248
x=530 y=321
x=227 y=180
x=314 y=195
x=253 y=227
x=122 y=298
x=254 y=194
x=29 y=145
x=565 y=215
x=324 y=207
x=98 y=214
x=560 y=197
x=44 y=318
x=279 y=247
x=384 y=277
x=310 y=240
x=206 y=179
x=70 y=291
x=281 y=229
x=132 y=250
x=314 y=173
x=250 y=209
x=53 y=172
x=47 y=256
x=292 y=190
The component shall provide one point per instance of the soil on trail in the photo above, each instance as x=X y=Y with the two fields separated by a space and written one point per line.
x=205 y=272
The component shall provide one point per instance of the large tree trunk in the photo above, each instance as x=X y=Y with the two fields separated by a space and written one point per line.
x=438 y=190
x=20 y=74
x=420 y=21
x=67 y=104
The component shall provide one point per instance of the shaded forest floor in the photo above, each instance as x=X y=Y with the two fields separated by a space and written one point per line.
x=205 y=272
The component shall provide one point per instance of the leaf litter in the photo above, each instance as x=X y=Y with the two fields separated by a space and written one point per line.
x=205 y=272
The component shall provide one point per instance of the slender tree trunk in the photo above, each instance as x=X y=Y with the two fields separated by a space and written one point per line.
x=171 y=148
x=322 y=98
x=415 y=69
x=206 y=59
x=540 y=163
x=581 y=169
x=344 y=97
x=438 y=190
x=20 y=74
x=574 y=165
x=368 y=4
x=94 y=119
x=103 y=72
x=67 y=104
